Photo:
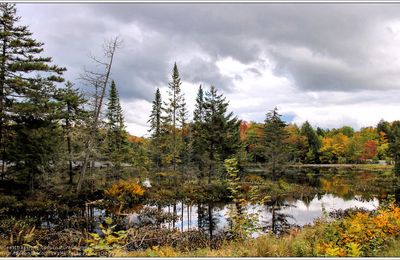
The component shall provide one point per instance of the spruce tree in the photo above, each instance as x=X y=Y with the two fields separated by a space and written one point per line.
x=26 y=101
x=115 y=124
x=221 y=130
x=116 y=140
x=198 y=132
x=155 y=116
x=185 y=138
x=156 y=129
x=170 y=120
x=276 y=148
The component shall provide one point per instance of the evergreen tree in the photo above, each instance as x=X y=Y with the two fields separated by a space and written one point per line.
x=276 y=148
x=115 y=121
x=383 y=126
x=320 y=132
x=185 y=139
x=116 y=136
x=314 y=143
x=155 y=116
x=170 y=120
x=393 y=134
x=199 y=145
x=26 y=105
x=72 y=114
x=156 y=129
x=221 y=134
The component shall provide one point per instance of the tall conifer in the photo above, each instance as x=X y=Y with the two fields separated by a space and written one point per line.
x=26 y=101
x=276 y=148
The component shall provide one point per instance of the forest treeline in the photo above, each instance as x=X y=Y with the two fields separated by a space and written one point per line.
x=49 y=128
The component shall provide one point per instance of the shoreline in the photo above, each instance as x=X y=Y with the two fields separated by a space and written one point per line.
x=370 y=167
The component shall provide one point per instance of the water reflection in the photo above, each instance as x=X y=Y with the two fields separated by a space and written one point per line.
x=276 y=216
x=327 y=190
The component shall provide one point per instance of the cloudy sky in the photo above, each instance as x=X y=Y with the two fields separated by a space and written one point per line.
x=330 y=64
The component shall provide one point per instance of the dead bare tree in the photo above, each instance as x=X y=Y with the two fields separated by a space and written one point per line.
x=98 y=80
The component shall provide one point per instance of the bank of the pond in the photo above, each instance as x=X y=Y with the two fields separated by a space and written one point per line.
x=353 y=233
x=260 y=168
x=374 y=233
x=377 y=167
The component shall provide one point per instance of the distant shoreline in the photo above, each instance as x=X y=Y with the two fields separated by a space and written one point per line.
x=376 y=167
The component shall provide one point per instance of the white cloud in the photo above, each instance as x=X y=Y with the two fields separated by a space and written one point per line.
x=136 y=114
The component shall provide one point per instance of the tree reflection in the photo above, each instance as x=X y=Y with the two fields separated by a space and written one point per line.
x=279 y=222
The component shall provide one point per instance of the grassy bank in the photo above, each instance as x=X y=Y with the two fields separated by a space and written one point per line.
x=356 y=234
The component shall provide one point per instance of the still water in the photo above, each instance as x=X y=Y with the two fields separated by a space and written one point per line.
x=330 y=191
x=292 y=213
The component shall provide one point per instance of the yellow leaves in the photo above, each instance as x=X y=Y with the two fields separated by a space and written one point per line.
x=337 y=186
x=361 y=233
x=108 y=221
x=122 y=187
x=336 y=144
x=353 y=249
x=332 y=251
x=125 y=193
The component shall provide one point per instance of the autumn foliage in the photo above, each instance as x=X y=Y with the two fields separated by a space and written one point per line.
x=361 y=234
x=370 y=150
x=124 y=193
x=135 y=139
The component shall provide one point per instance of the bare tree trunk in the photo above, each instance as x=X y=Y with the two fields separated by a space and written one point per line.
x=188 y=216
x=174 y=212
x=182 y=215
x=101 y=80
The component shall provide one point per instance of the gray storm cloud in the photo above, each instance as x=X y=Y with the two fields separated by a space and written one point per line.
x=320 y=48
x=343 y=35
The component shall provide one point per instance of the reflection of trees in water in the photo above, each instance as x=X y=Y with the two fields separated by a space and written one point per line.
x=306 y=176
x=207 y=221
x=306 y=199
x=279 y=222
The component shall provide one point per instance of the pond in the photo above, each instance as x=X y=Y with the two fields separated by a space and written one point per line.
x=333 y=190
x=286 y=214
x=319 y=191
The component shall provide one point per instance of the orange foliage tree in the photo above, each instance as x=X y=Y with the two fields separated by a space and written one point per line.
x=370 y=150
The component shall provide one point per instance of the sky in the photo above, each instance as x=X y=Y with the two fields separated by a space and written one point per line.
x=330 y=64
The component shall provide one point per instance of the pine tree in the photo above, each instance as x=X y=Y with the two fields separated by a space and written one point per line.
x=72 y=113
x=156 y=129
x=276 y=148
x=199 y=145
x=116 y=136
x=392 y=132
x=25 y=100
x=155 y=116
x=185 y=138
x=169 y=122
x=221 y=130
